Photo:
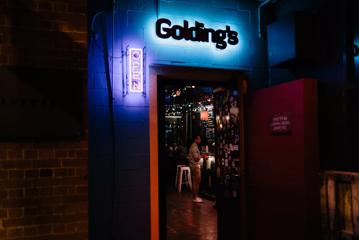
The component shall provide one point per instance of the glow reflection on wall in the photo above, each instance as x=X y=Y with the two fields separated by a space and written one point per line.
x=356 y=60
x=356 y=42
x=200 y=53
x=182 y=52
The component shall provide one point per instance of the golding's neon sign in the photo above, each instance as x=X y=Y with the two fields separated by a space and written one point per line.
x=196 y=33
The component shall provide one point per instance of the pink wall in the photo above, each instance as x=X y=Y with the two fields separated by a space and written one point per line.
x=282 y=170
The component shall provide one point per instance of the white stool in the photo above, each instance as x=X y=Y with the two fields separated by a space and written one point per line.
x=185 y=172
x=177 y=172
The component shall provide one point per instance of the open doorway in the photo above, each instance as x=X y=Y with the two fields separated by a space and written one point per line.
x=212 y=110
x=187 y=111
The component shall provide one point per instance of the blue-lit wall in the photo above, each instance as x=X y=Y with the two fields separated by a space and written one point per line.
x=356 y=58
x=118 y=127
x=137 y=22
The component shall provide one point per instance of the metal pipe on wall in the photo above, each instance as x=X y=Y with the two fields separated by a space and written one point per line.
x=259 y=16
x=114 y=169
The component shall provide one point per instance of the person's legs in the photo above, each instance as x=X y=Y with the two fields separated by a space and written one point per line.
x=196 y=180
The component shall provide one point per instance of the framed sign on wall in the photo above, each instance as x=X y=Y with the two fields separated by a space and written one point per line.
x=281 y=123
x=135 y=79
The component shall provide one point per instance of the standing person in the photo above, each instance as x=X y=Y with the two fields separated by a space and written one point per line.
x=194 y=156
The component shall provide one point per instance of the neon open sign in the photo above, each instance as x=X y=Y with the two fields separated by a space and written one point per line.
x=135 y=70
x=196 y=33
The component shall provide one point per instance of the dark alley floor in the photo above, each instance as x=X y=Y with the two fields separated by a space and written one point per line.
x=190 y=221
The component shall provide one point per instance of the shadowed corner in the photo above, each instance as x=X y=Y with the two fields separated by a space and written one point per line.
x=46 y=57
x=43 y=109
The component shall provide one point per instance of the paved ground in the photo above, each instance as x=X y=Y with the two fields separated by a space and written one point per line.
x=189 y=221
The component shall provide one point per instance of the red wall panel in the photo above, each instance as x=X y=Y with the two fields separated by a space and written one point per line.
x=282 y=170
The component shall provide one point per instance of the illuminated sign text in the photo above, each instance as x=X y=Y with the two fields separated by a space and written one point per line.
x=281 y=124
x=135 y=70
x=196 y=33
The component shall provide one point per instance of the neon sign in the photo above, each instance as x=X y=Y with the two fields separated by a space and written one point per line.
x=196 y=33
x=135 y=70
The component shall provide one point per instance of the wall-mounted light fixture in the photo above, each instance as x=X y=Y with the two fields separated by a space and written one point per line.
x=135 y=79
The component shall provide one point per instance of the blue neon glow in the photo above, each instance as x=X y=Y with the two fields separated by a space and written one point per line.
x=356 y=59
x=197 y=54
x=206 y=48
x=139 y=31
x=356 y=42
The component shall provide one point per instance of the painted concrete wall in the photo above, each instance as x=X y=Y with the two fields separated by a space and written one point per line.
x=138 y=21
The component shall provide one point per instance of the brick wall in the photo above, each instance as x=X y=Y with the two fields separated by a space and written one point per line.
x=43 y=185
x=43 y=33
x=43 y=190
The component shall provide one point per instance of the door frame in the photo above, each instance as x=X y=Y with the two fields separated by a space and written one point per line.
x=185 y=73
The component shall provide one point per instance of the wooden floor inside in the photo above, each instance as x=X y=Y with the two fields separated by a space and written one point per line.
x=188 y=220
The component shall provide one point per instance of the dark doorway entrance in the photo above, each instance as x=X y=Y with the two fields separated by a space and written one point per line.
x=213 y=110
